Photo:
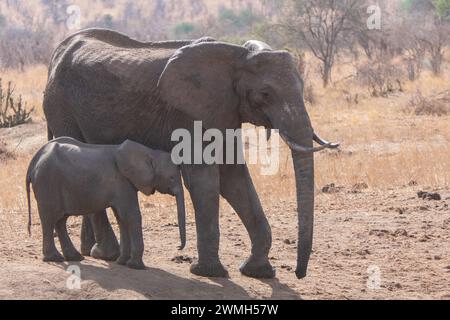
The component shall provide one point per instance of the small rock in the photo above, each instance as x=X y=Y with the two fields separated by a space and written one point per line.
x=364 y=252
x=429 y=196
x=437 y=258
x=331 y=188
x=413 y=183
x=378 y=233
x=286 y=267
x=446 y=224
x=424 y=238
x=287 y=241
x=182 y=259
x=357 y=188
x=400 y=233
x=171 y=225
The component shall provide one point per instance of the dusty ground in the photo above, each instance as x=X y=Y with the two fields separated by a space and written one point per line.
x=359 y=230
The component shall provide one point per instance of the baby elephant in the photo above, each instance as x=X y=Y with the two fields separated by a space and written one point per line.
x=72 y=178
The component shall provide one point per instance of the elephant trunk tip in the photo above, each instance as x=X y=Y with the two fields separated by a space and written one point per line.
x=301 y=273
x=183 y=245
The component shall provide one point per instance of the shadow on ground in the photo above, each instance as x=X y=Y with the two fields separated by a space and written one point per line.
x=154 y=283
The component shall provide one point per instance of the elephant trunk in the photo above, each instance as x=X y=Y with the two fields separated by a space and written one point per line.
x=181 y=211
x=299 y=135
x=304 y=177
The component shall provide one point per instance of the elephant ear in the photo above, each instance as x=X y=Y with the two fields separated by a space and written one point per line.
x=199 y=76
x=135 y=162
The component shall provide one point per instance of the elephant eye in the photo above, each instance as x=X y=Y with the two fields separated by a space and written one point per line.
x=265 y=94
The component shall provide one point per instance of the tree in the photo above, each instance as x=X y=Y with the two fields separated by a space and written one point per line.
x=321 y=25
x=431 y=24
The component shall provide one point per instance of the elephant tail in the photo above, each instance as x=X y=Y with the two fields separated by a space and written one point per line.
x=28 y=182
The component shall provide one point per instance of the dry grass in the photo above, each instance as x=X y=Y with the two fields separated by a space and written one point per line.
x=30 y=84
x=438 y=105
x=381 y=145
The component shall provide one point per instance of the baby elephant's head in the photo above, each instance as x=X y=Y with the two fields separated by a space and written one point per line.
x=150 y=171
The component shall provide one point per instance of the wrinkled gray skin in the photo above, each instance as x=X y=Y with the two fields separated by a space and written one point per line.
x=104 y=88
x=72 y=178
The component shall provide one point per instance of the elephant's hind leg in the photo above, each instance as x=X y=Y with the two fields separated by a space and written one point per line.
x=68 y=249
x=87 y=237
x=237 y=188
x=49 y=250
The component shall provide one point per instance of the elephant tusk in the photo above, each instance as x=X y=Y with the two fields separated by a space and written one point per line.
x=322 y=142
x=268 y=134
x=296 y=147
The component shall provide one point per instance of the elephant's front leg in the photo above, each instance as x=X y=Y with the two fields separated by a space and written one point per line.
x=203 y=185
x=237 y=188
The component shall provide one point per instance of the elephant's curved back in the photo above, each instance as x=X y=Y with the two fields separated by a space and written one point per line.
x=96 y=70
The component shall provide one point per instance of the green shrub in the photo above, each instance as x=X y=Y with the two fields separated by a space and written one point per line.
x=184 y=29
x=13 y=110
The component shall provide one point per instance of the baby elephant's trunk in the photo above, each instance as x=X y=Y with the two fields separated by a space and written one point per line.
x=181 y=210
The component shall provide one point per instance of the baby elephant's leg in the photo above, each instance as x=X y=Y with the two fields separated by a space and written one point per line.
x=125 y=253
x=68 y=249
x=49 y=250
x=132 y=223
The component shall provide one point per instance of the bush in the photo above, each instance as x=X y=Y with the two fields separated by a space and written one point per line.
x=20 y=47
x=184 y=29
x=423 y=106
x=2 y=21
x=4 y=153
x=236 y=23
x=108 y=21
x=309 y=94
x=13 y=111
x=381 y=78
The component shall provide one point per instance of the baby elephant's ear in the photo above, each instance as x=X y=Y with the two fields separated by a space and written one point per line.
x=136 y=164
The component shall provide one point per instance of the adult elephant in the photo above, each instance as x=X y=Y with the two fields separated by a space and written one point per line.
x=104 y=88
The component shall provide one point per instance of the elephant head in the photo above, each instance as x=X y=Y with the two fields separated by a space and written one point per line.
x=150 y=171
x=226 y=85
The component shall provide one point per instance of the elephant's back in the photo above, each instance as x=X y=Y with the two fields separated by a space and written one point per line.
x=97 y=55
x=100 y=79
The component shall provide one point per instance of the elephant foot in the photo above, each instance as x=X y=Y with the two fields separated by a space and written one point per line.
x=86 y=251
x=53 y=257
x=110 y=253
x=74 y=257
x=122 y=260
x=87 y=242
x=136 y=264
x=216 y=270
x=259 y=269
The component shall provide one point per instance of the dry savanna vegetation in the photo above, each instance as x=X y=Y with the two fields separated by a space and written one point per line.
x=389 y=109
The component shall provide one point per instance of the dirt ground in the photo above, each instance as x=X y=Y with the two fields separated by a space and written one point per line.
x=369 y=244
